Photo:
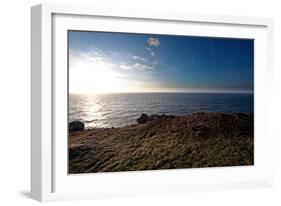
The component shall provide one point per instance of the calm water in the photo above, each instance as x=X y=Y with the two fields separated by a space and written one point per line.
x=116 y=110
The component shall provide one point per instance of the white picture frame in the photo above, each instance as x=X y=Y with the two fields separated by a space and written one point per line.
x=49 y=181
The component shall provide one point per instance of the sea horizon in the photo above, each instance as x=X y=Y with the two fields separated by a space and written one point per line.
x=167 y=92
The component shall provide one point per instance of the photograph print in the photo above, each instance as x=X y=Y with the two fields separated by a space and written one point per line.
x=151 y=102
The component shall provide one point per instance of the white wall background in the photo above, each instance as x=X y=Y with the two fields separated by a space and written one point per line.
x=15 y=101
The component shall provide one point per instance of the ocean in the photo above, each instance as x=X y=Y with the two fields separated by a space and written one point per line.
x=118 y=110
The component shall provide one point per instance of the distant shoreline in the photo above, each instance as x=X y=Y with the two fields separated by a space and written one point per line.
x=165 y=142
x=159 y=115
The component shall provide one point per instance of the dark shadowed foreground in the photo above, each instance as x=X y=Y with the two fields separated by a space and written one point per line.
x=165 y=142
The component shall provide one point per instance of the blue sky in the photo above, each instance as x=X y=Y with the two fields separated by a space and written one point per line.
x=122 y=62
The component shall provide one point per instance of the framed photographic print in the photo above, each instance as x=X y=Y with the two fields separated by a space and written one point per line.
x=135 y=102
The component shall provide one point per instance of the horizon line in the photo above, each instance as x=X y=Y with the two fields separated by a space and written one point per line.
x=151 y=92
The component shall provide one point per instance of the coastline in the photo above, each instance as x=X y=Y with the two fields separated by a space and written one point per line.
x=121 y=110
x=165 y=142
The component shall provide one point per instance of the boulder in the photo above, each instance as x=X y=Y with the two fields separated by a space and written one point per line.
x=142 y=119
x=76 y=126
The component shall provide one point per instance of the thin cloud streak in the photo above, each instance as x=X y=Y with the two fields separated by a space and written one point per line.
x=167 y=66
x=139 y=58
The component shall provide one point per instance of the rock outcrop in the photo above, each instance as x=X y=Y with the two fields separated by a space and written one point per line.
x=144 y=118
x=76 y=126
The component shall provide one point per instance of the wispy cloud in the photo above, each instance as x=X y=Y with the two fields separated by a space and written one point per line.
x=152 y=41
x=90 y=57
x=157 y=61
x=141 y=66
x=167 y=66
x=94 y=47
x=125 y=67
x=139 y=63
x=136 y=66
x=139 y=58
x=151 y=52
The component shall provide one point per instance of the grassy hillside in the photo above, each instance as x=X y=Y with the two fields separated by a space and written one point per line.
x=165 y=142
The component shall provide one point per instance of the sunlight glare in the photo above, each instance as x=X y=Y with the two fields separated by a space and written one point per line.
x=95 y=77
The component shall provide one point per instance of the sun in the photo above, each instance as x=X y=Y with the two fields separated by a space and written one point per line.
x=95 y=77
